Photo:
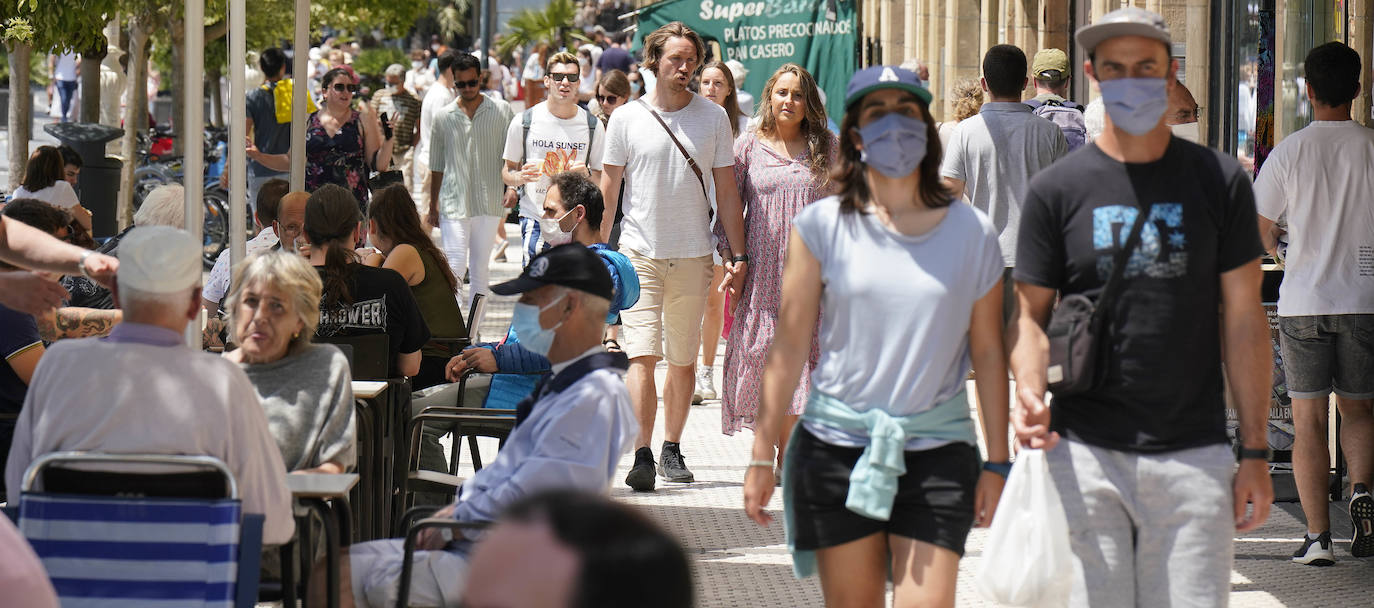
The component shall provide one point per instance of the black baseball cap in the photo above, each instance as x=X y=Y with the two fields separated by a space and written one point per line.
x=572 y=265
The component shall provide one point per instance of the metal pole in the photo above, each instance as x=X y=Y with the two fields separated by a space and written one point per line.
x=193 y=115
x=238 y=170
x=299 y=89
x=490 y=32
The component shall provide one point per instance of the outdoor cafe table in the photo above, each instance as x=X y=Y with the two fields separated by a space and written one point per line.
x=326 y=494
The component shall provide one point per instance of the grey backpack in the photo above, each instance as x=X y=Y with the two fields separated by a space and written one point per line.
x=1067 y=115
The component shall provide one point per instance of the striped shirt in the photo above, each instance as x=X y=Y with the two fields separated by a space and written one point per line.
x=468 y=152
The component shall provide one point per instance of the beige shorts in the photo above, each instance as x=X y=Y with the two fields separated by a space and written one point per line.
x=672 y=298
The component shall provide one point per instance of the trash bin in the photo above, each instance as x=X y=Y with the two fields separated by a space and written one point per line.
x=99 y=182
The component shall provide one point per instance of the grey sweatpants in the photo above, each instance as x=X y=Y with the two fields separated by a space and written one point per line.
x=1147 y=529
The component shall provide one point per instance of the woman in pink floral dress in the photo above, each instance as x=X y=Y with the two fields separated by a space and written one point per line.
x=780 y=167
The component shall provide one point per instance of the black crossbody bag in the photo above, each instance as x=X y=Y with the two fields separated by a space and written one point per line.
x=1078 y=327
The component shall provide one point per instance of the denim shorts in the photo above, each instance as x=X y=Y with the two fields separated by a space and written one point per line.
x=1325 y=353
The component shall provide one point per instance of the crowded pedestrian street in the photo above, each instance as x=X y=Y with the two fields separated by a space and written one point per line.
x=738 y=564
x=678 y=304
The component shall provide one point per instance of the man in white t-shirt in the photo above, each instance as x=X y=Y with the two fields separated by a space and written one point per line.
x=1320 y=178
x=438 y=95
x=552 y=137
x=666 y=233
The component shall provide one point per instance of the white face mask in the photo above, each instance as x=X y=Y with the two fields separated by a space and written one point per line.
x=1188 y=131
x=417 y=64
x=551 y=230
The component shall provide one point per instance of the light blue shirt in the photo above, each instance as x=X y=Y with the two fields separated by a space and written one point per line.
x=895 y=310
x=573 y=439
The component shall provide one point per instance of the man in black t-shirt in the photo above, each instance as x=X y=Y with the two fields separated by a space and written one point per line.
x=1144 y=471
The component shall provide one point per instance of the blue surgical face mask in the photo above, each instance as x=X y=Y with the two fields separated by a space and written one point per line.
x=532 y=335
x=1135 y=104
x=894 y=145
x=634 y=87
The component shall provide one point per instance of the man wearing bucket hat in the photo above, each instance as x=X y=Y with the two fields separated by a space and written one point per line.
x=569 y=434
x=147 y=392
x=1140 y=457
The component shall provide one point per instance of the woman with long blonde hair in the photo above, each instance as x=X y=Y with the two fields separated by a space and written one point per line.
x=780 y=167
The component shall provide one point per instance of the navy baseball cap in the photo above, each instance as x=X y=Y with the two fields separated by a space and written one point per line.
x=879 y=77
x=572 y=265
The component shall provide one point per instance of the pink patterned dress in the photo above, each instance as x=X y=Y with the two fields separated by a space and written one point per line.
x=773 y=190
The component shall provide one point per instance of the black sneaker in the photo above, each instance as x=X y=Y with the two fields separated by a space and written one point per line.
x=641 y=477
x=671 y=465
x=1316 y=551
x=1362 y=514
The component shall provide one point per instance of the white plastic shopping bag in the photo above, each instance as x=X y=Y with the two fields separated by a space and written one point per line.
x=1027 y=560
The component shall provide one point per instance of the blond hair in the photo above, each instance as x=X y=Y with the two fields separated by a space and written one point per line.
x=815 y=126
x=967 y=96
x=560 y=57
x=290 y=274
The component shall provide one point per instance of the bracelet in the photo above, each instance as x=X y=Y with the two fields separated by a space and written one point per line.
x=81 y=263
x=761 y=463
x=1000 y=468
x=743 y=257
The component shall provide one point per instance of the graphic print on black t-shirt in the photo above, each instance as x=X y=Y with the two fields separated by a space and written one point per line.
x=1162 y=383
x=368 y=315
x=1162 y=252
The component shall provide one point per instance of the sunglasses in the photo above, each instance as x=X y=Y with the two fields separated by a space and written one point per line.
x=467 y=84
x=340 y=87
x=611 y=99
x=568 y=77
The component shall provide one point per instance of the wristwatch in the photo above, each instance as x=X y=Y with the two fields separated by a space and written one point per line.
x=1263 y=454
x=81 y=262
x=740 y=258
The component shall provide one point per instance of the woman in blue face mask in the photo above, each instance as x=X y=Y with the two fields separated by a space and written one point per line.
x=883 y=474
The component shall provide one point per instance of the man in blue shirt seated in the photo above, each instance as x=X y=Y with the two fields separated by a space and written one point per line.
x=573 y=209
x=569 y=433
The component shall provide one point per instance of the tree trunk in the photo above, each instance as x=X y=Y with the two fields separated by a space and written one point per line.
x=135 y=115
x=212 y=76
x=21 y=111
x=90 y=86
x=177 y=30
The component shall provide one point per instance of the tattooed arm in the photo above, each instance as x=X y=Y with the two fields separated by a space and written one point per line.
x=74 y=322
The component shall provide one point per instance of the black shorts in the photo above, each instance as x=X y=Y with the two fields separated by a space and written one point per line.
x=934 y=501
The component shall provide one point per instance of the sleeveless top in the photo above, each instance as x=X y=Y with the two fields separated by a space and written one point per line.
x=339 y=159
x=439 y=306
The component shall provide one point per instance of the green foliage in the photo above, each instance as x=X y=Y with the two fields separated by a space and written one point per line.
x=552 y=26
x=450 y=18
x=371 y=64
x=394 y=17
x=56 y=26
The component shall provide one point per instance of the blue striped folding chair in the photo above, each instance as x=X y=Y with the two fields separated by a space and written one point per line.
x=137 y=544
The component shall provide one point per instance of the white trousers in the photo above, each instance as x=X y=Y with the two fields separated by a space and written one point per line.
x=467 y=243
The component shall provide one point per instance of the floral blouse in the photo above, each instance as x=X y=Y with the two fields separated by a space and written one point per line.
x=339 y=159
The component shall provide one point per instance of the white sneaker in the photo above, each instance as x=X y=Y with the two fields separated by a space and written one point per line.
x=706 y=384
x=1316 y=551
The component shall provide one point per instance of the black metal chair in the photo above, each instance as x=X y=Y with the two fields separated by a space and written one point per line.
x=412 y=536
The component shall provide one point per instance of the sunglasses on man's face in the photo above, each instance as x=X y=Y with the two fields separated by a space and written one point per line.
x=340 y=87
x=467 y=84
x=568 y=77
x=611 y=99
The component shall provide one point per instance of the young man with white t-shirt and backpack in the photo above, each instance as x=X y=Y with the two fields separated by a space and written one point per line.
x=1319 y=179
x=665 y=147
x=551 y=137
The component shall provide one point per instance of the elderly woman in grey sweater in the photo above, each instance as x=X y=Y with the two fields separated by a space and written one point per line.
x=305 y=388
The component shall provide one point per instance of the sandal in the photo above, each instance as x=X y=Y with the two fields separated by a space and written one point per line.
x=612 y=346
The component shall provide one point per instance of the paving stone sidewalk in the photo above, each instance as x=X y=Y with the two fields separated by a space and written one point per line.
x=737 y=563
